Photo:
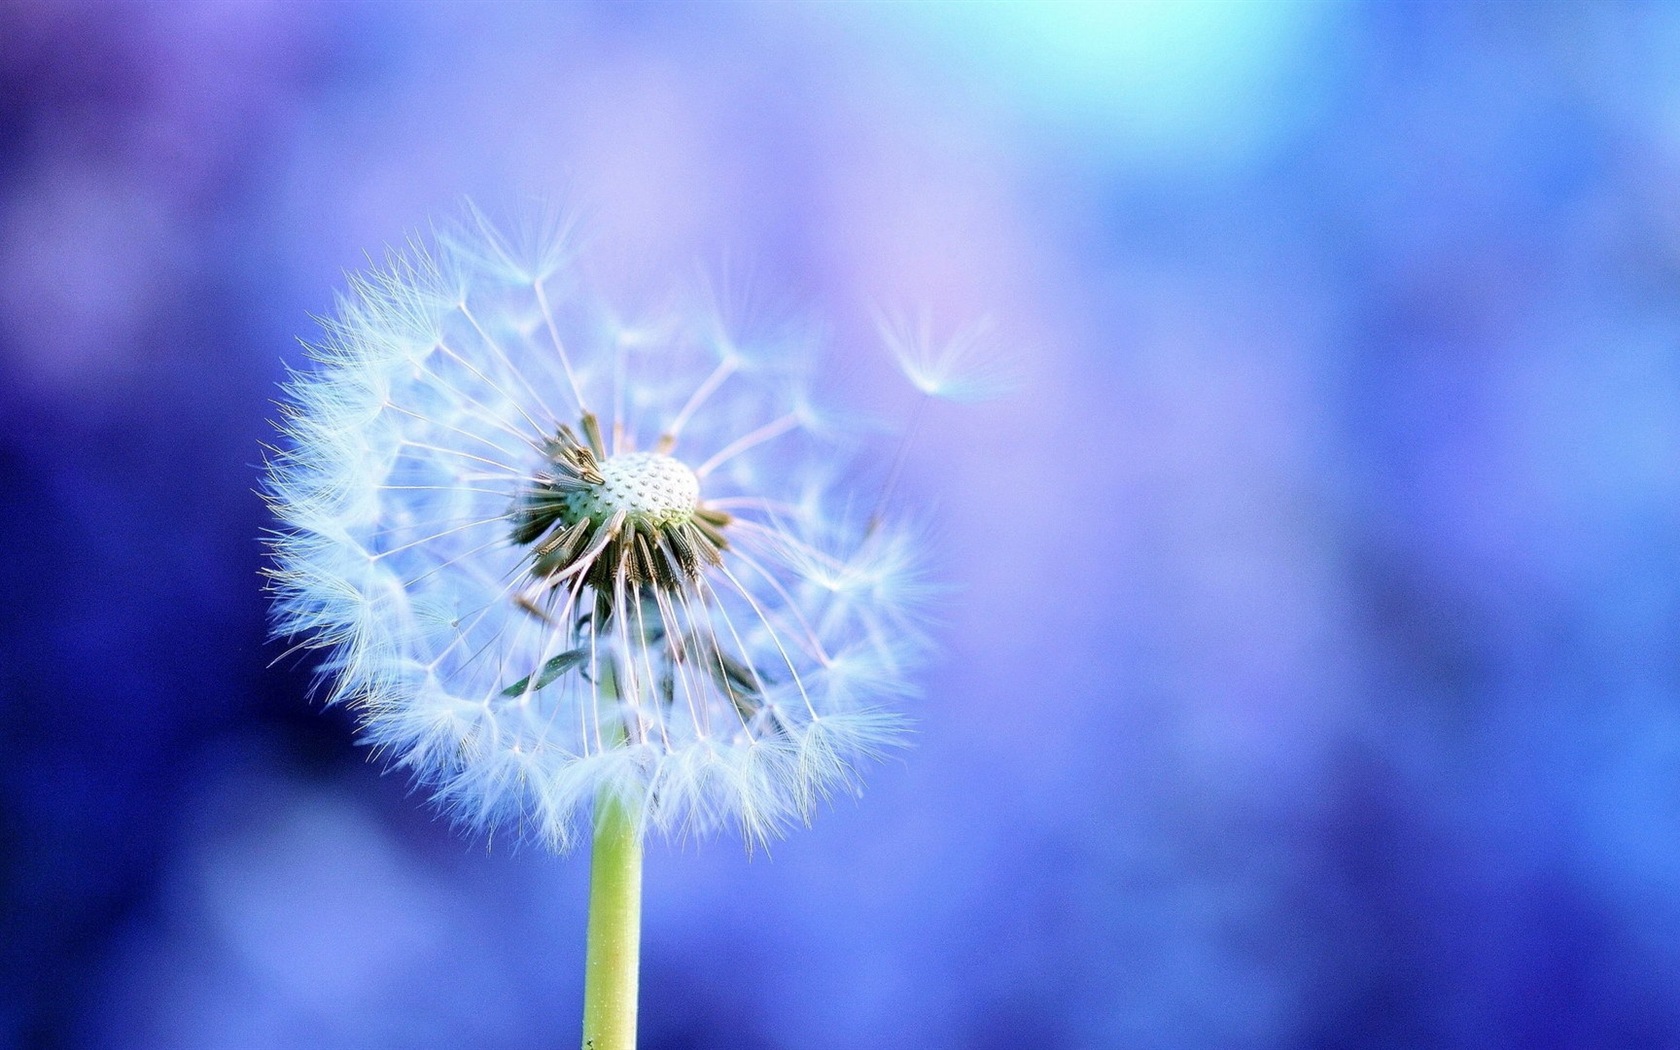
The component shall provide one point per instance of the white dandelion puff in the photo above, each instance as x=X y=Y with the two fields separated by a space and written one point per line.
x=550 y=554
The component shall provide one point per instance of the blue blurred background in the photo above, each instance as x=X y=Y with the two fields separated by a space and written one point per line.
x=1312 y=679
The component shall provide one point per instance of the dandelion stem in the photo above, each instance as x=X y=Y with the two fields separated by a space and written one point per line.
x=615 y=928
x=898 y=461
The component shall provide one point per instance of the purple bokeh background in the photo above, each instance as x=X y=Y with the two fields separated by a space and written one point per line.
x=1312 y=673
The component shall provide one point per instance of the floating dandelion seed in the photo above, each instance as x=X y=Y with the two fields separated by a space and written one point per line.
x=551 y=555
x=964 y=366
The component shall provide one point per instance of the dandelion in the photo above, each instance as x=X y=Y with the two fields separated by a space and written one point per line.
x=564 y=566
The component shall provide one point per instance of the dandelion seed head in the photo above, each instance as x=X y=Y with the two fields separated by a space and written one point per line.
x=548 y=554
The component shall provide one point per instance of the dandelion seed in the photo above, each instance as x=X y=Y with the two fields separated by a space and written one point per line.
x=966 y=366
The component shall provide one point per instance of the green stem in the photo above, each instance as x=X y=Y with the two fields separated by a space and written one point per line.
x=615 y=929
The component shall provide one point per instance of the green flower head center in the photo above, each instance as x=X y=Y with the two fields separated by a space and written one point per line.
x=650 y=489
x=613 y=522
